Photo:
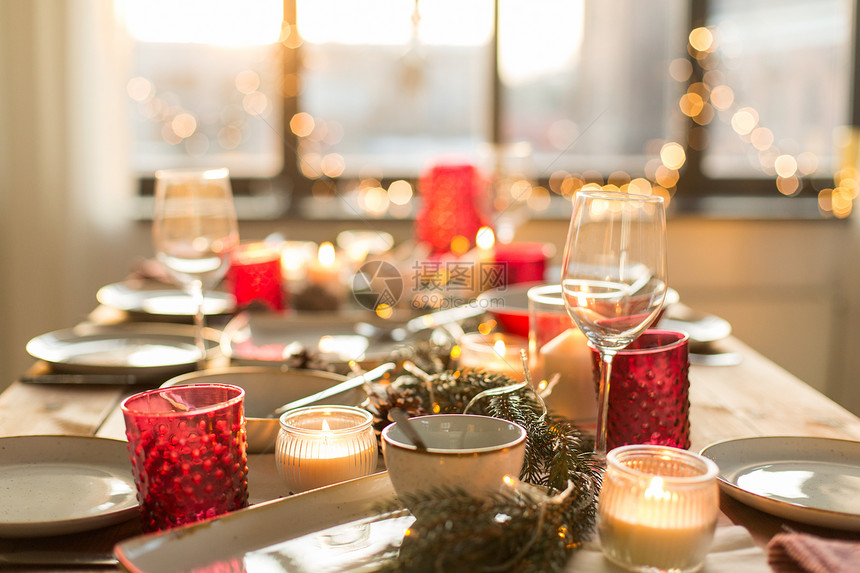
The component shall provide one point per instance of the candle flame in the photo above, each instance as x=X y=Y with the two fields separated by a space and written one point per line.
x=485 y=238
x=655 y=489
x=499 y=347
x=326 y=254
x=325 y=427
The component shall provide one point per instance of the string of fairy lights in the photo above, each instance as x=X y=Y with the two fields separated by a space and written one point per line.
x=706 y=100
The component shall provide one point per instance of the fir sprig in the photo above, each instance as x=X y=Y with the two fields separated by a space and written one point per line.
x=518 y=531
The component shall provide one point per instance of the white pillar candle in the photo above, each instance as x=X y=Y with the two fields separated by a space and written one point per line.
x=323 y=445
x=658 y=508
x=574 y=395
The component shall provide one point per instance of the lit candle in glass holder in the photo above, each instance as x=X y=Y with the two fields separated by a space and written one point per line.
x=658 y=508
x=256 y=277
x=325 y=270
x=322 y=445
x=495 y=352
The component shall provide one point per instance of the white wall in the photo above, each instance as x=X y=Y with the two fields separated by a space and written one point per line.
x=790 y=289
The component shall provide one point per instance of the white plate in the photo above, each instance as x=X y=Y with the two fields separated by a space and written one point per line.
x=159 y=299
x=52 y=485
x=257 y=339
x=810 y=480
x=319 y=530
x=147 y=350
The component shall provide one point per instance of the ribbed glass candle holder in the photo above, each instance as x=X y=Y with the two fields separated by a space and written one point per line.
x=658 y=508
x=322 y=445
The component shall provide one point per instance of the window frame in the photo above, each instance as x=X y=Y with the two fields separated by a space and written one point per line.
x=696 y=193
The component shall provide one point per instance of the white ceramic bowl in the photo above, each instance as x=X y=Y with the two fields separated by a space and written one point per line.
x=269 y=388
x=474 y=453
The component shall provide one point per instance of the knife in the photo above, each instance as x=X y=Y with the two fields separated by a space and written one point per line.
x=119 y=379
x=336 y=389
x=57 y=558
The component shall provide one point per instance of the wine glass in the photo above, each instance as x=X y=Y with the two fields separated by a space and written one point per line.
x=614 y=276
x=194 y=230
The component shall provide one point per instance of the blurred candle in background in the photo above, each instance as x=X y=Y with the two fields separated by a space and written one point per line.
x=255 y=276
x=496 y=352
x=325 y=270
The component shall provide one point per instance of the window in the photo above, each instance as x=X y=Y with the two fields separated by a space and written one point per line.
x=355 y=98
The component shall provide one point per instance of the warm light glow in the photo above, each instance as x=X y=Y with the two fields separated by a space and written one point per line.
x=460 y=245
x=247 y=81
x=326 y=255
x=655 y=489
x=214 y=22
x=139 y=89
x=761 y=138
x=374 y=200
x=183 y=125
x=485 y=239
x=302 y=124
x=680 y=69
x=639 y=186
x=400 y=192
x=499 y=347
x=539 y=199
x=722 y=97
x=701 y=39
x=673 y=156
x=384 y=311
x=333 y=165
x=744 y=120
x=691 y=104
x=785 y=166
x=325 y=426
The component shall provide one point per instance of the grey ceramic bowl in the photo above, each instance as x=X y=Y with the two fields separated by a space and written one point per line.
x=267 y=389
x=466 y=451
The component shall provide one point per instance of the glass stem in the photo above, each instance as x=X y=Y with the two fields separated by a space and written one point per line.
x=603 y=404
x=199 y=322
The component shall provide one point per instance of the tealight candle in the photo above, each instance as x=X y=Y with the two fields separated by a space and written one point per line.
x=495 y=352
x=321 y=445
x=658 y=508
x=325 y=270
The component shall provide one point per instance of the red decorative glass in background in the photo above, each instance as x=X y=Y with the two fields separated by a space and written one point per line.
x=649 y=391
x=187 y=446
x=256 y=278
x=523 y=262
x=452 y=199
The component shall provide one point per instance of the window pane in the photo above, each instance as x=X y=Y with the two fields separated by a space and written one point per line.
x=204 y=82
x=788 y=65
x=587 y=83
x=388 y=89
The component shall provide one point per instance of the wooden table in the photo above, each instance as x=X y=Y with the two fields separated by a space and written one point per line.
x=753 y=398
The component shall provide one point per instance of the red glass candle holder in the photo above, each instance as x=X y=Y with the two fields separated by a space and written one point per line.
x=649 y=391
x=522 y=262
x=256 y=277
x=187 y=446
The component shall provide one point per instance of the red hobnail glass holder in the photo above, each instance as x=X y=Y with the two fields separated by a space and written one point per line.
x=649 y=391
x=188 y=451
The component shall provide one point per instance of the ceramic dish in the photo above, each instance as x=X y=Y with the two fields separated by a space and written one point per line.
x=810 y=480
x=267 y=389
x=52 y=485
x=159 y=299
x=257 y=339
x=319 y=530
x=147 y=350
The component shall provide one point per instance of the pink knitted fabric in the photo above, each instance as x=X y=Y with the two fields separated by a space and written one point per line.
x=803 y=553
